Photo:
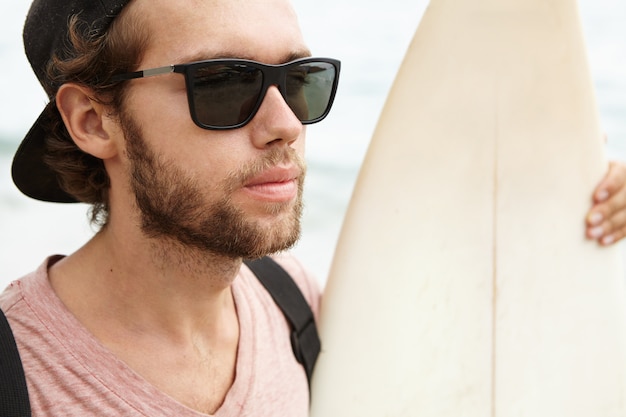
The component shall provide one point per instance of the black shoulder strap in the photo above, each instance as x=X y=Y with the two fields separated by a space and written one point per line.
x=13 y=390
x=285 y=292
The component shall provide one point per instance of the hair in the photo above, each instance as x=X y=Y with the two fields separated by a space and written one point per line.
x=90 y=60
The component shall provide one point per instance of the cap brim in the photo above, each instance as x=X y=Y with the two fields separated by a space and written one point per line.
x=31 y=174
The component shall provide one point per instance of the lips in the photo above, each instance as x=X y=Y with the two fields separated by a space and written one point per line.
x=277 y=184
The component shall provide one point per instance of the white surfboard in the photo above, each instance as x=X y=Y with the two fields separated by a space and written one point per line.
x=462 y=284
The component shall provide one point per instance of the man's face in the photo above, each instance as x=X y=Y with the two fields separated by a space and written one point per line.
x=237 y=192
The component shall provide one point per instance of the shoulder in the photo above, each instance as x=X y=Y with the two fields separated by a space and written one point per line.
x=30 y=297
x=17 y=290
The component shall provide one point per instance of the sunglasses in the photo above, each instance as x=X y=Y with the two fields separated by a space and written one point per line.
x=227 y=93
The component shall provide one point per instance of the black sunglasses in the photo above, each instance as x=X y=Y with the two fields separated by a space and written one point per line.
x=226 y=93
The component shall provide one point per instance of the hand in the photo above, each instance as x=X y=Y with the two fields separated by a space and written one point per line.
x=606 y=220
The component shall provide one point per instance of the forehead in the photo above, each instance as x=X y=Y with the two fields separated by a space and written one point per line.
x=263 y=30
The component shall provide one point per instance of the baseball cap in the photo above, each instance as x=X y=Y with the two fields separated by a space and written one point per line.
x=46 y=34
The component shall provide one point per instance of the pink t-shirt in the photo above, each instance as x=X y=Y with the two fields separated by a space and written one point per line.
x=71 y=374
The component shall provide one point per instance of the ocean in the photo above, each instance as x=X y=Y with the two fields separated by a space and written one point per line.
x=369 y=37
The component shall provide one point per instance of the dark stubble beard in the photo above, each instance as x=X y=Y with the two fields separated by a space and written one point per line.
x=173 y=207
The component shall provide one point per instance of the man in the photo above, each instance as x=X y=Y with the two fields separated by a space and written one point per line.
x=155 y=315
x=189 y=173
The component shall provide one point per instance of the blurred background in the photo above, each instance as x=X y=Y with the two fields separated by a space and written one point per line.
x=369 y=37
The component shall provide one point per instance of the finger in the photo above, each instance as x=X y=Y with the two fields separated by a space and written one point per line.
x=614 y=180
x=611 y=211
x=612 y=238
x=596 y=216
x=612 y=205
x=610 y=231
x=615 y=205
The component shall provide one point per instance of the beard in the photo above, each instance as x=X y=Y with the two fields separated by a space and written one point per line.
x=173 y=206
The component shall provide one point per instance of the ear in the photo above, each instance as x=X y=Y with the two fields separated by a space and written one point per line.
x=86 y=121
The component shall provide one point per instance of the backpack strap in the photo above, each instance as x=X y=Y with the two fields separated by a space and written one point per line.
x=13 y=390
x=305 y=341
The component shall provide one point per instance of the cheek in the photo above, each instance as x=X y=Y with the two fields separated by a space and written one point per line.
x=160 y=106
x=207 y=159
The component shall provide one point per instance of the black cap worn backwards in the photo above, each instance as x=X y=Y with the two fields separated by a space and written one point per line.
x=46 y=34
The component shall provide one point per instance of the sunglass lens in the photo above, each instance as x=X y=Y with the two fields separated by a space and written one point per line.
x=225 y=94
x=309 y=89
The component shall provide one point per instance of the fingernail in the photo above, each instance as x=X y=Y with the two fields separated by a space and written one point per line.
x=607 y=240
x=596 y=232
x=596 y=218
x=602 y=195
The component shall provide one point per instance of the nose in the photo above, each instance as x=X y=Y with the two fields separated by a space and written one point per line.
x=275 y=122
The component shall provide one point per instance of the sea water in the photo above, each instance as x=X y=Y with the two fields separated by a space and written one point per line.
x=369 y=37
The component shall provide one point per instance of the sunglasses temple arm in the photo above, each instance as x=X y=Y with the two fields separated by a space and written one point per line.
x=143 y=74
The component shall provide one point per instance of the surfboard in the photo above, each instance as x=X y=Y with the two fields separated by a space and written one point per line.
x=462 y=284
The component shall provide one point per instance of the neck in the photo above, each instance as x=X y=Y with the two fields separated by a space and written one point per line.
x=146 y=283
